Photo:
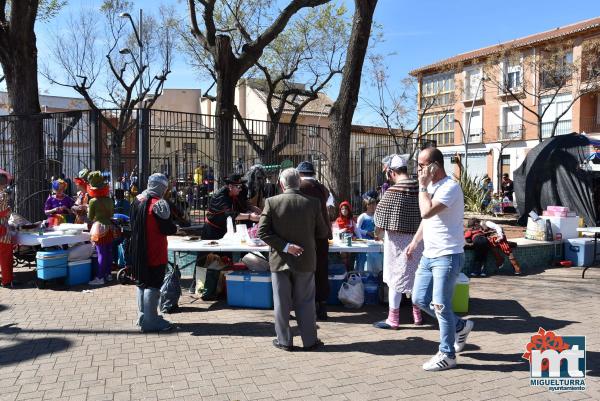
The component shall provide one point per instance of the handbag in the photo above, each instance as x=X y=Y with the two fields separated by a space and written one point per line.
x=352 y=292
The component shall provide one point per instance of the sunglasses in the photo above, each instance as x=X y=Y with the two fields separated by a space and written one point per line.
x=238 y=186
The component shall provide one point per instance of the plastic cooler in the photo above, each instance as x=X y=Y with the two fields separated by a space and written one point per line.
x=337 y=275
x=79 y=272
x=460 y=301
x=580 y=251
x=51 y=264
x=249 y=289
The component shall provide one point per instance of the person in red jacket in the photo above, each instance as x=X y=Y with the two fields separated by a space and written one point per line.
x=6 y=244
x=345 y=220
x=151 y=223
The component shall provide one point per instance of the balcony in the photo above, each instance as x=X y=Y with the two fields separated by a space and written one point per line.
x=590 y=124
x=476 y=135
x=562 y=128
x=511 y=132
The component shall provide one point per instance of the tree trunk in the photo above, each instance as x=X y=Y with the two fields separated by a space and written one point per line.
x=340 y=116
x=31 y=185
x=227 y=77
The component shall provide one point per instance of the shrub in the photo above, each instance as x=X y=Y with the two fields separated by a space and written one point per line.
x=473 y=193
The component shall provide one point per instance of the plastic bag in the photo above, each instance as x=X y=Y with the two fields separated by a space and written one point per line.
x=80 y=252
x=256 y=262
x=170 y=291
x=351 y=293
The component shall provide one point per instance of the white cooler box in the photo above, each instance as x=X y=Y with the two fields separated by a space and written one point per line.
x=566 y=226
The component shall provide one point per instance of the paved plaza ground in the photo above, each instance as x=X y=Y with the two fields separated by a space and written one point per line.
x=74 y=345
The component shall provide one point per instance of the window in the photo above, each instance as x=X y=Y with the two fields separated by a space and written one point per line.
x=190 y=147
x=437 y=90
x=473 y=85
x=556 y=69
x=167 y=144
x=313 y=131
x=290 y=131
x=474 y=123
x=439 y=127
x=561 y=104
x=512 y=75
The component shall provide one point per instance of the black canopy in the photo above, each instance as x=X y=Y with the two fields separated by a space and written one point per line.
x=551 y=175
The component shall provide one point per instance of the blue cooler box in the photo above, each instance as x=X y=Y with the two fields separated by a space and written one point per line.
x=79 y=272
x=249 y=289
x=51 y=264
x=337 y=275
x=580 y=251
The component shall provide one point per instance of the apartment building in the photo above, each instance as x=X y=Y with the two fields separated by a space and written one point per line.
x=501 y=100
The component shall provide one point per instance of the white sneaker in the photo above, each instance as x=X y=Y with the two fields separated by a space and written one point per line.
x=482 y=274
x=439 y=361
x=97 y=281
x=461 y=336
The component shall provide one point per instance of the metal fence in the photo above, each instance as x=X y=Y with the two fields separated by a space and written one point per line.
x=182 y=145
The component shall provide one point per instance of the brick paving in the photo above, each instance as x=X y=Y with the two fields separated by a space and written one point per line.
x=74 y=345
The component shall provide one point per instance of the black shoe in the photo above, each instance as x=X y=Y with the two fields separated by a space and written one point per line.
x=321 y=311
x=318 y=344
x=287 y=348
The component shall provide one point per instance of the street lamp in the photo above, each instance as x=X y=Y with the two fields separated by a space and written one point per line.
x=142 y=142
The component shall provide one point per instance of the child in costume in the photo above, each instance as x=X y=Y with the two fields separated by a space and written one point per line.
x=82 y=199
x=58 y=205
x=6 y=245
x=100 y=212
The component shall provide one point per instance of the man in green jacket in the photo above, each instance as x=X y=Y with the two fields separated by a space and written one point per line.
x=289 y=224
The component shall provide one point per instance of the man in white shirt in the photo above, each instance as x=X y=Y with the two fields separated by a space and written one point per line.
x=441 y=204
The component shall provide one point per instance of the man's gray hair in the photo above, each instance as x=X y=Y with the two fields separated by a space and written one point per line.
x=290 y=178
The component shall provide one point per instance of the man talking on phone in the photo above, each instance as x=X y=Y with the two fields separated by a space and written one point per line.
x=441 y=204
x=290 y=224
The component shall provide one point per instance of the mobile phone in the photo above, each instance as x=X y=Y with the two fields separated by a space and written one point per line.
x=431 y=168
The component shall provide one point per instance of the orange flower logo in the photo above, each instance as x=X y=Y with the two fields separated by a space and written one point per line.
x=542 y=341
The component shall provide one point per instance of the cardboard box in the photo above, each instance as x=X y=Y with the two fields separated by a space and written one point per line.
x=560 y=209
x=567 y=226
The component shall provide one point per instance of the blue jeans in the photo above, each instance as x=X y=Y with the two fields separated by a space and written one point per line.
x=434 y=285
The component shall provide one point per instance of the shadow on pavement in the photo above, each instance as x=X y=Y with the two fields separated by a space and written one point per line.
x=242 y=329
x=404 y=346
x=24 y=350
x=509 y=317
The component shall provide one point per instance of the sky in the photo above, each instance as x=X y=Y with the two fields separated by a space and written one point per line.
x=415 y=33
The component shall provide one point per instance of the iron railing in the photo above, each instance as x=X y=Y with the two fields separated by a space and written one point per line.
x=562 y=128
x=589 y=124
x=179 y=145
x=512 y=132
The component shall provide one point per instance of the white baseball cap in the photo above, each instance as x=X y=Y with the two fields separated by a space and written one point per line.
x=397 y=162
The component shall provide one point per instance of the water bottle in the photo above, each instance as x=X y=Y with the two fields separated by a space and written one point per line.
x=371 y=290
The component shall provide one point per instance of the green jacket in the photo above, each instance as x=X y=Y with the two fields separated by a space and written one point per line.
x=293 y=218
x=101 y=210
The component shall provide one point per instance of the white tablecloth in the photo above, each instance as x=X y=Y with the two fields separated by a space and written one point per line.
x=50 y=238
x=180 y=244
